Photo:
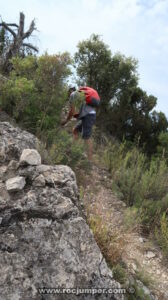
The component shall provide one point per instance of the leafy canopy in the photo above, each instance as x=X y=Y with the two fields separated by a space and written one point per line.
x=126 y=110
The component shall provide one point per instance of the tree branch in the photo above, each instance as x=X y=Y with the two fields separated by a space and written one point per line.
x=12 y=24
x=16 y=43
x=8 y=28
x=31 y=29
x=21 y=25
x=30 y=46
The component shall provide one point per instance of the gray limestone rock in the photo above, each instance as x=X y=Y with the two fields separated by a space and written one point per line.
x=39 y=181
x=13 y=141
x=30 y=157
x=15 y=184
x=44 y=241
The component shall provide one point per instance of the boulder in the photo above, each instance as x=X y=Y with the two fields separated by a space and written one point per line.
x=13 y=141
x=30 y=157
x=15 y=184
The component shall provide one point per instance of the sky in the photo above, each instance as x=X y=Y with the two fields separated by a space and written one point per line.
x=137 y=28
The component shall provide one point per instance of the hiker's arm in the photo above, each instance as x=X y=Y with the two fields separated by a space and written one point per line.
x=71 y=108
x=70 y=115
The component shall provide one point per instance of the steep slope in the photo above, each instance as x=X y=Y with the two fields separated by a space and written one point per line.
x=44 y=241
x=139 y=254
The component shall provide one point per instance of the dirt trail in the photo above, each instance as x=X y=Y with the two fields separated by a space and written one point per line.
x=138 y=253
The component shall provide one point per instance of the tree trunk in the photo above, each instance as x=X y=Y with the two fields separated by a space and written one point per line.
x=17 y=42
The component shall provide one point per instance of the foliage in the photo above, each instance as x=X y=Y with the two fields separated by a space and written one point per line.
x=162 y=234
x=138 y=294
x=119 y=273
x=131 y=217
x=137 y=178
x=93 y=59
x=144 y=277
x=36 y=91
x=126 y=110
x=12 y=42
x=143 y=183
x=126 y=169
x=65 y=151
x=97 y=68
x=162 y=147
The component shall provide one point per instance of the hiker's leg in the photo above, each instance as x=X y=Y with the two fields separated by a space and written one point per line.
x=87 y=123
x=77 y=129
x=75 y=133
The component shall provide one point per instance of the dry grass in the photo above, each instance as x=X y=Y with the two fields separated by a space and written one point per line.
x=111 y=243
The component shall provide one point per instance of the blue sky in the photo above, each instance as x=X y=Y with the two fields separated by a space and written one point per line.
x=137 y=28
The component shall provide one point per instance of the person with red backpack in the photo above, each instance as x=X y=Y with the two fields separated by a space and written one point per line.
x=83 y=104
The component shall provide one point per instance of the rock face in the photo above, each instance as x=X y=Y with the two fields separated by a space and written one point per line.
x=44 y=242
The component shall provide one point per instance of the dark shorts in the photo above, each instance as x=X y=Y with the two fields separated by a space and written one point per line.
x=84 y=126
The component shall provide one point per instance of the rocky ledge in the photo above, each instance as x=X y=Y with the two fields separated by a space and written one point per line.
x=44 y=241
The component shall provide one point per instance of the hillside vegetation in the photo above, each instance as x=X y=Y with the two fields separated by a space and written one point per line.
x=130 y=137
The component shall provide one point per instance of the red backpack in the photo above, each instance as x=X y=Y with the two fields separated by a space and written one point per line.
x=91 y=96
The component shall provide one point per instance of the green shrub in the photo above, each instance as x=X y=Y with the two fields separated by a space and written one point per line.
x=138 y=293
x=162 y=234
x=119 y=273
x=127 y=168
x=151 y=211
x=65 y=150
x=113 y=156
x=131 y=217
x=162 y=147
x=154 y=181
x=145 y=278
x=137 y=178
x=35 y=92
x=144 y=186
x=15 y=94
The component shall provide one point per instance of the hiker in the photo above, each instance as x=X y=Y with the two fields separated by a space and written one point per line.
x=83 y=103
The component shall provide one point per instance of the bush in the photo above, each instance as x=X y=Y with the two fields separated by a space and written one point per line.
x=120 y=273
x=137 y=178
x=127 y=168
x=19 y=101
x=144 y=186
x=145 y=278
x=162 y=234
x=131 y=217
x=35 y=92
x=138 y=294
x=65 y=150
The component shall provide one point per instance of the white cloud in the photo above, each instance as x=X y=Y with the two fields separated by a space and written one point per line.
x=158 y=8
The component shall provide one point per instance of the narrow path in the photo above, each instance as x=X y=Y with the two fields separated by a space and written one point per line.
x=138 y=253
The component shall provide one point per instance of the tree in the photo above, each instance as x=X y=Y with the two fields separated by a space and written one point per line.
x=92 y=59
x=126 y=110
x=35 y=91
x=162 y=147
x=112 y=76
x=12 y=41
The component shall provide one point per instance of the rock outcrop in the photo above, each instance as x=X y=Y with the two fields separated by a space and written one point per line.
x=44 y=241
